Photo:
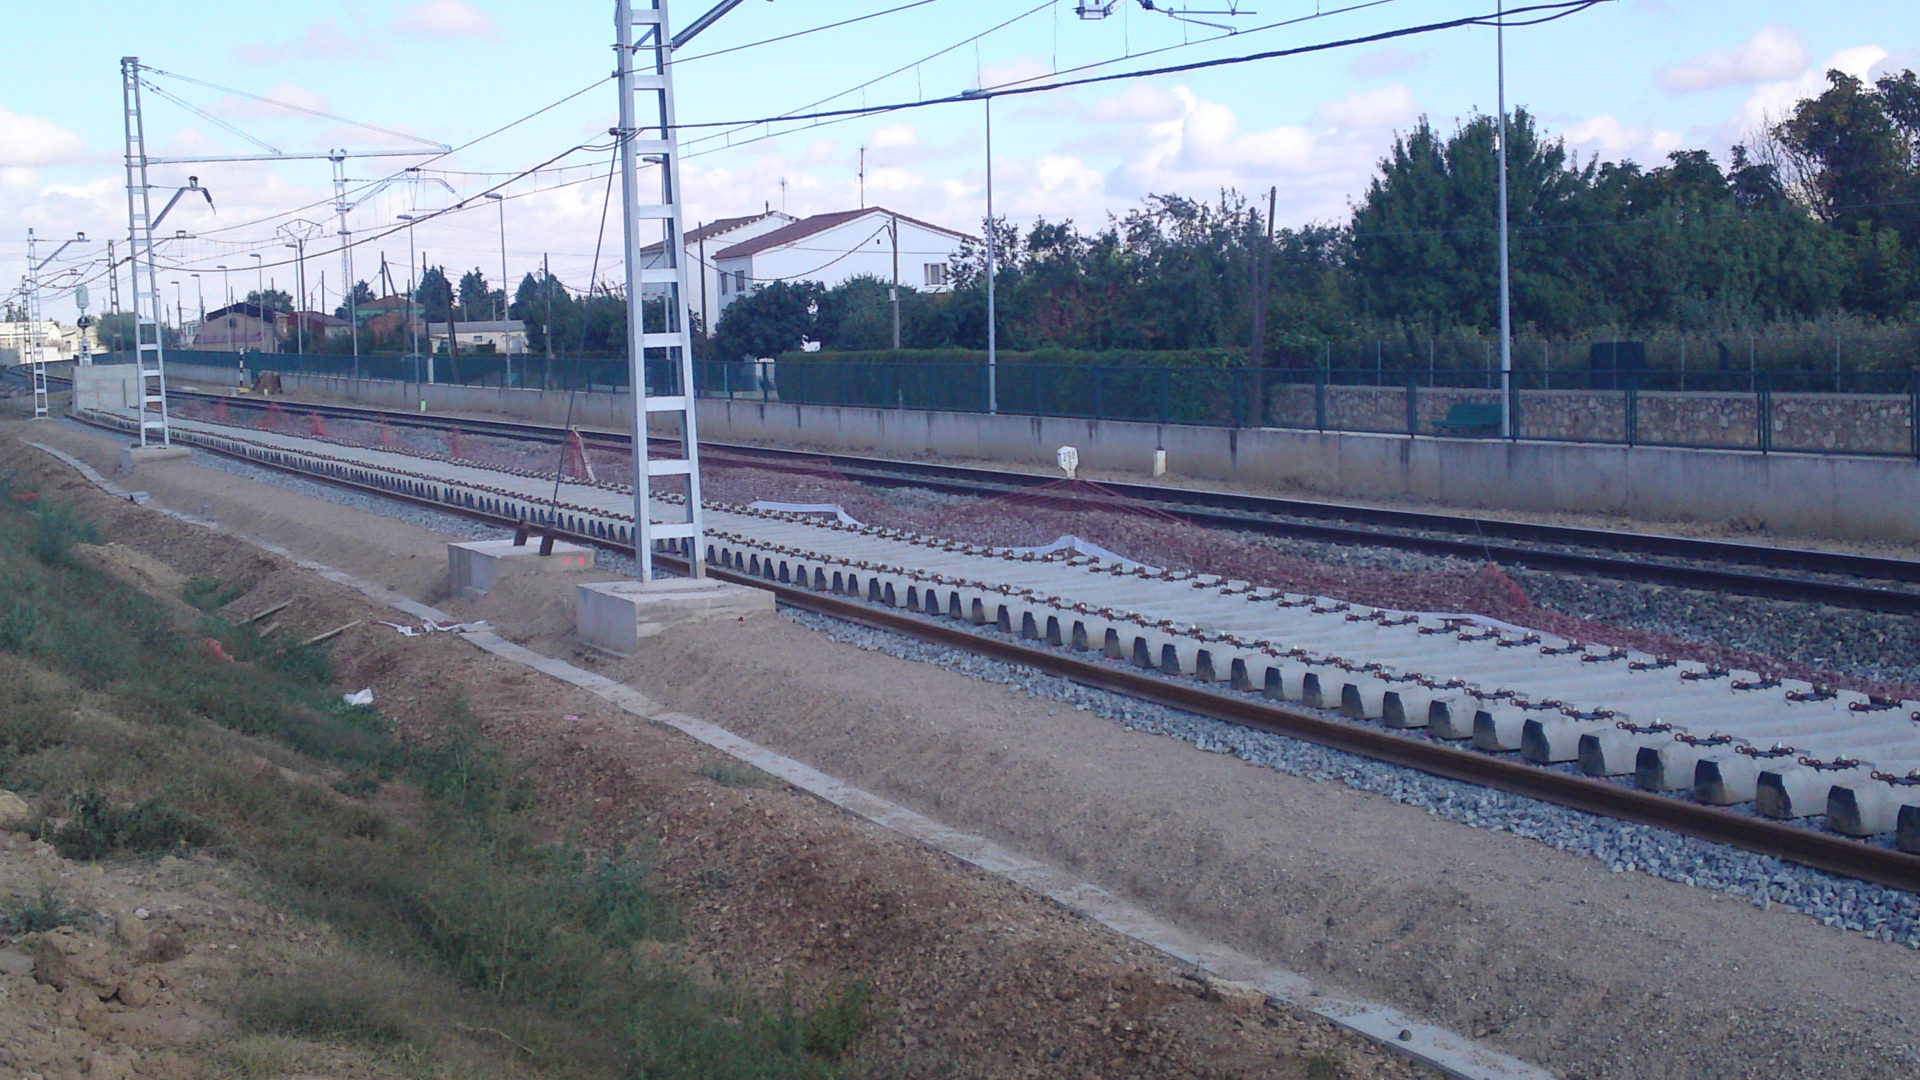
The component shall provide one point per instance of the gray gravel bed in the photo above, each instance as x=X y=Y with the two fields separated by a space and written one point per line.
x=1865 y=644
x=1877 y=911
x=1869 y=645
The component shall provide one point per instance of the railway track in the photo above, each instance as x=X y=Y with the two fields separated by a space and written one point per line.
x=1861 y=582
x=1470 y=703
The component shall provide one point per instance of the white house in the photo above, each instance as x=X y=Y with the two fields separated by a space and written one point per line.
x=836 y=247
x=508 y=337
x=57 y=342
x=703 y=280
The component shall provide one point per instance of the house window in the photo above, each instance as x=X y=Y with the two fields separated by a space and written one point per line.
x=739 y=281
x=723 y=283
x=936 y=274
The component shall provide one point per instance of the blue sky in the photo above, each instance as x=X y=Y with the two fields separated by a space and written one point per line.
x=1624 y=79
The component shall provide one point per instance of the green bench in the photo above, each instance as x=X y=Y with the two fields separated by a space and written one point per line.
x=1471 y=418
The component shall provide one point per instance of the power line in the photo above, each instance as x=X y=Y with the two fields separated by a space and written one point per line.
x=802 y=33
x=1563 y=8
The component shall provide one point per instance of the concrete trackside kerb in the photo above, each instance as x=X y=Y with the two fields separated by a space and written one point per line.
x=1450 y=1053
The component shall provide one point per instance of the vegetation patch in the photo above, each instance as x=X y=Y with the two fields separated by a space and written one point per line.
x=534 y=958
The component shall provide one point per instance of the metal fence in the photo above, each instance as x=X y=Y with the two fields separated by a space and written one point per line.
x=1820 y=411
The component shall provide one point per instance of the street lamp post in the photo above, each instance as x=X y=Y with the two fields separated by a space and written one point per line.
x=413 y=288
x=500 y=313
x=993 y=344
x=1506 y=294
x=179 y=312
x=299 y=247
x=260 y=294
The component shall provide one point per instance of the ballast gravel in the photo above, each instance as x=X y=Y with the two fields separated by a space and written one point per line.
x=1860 y=643
x=1874 y=910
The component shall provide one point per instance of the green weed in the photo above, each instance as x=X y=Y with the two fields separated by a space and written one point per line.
x=30 y=915
x=99 y=828
x=208 y=594
x=733 y=776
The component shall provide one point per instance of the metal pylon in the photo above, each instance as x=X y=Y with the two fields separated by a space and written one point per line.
x=149 y=350
x=647 y=132
x=34 y=341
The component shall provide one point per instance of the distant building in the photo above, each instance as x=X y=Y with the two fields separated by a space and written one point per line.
x=703 y=277
x=239 y=328
x=57 y=342
x=389 y=315
x=836 y=247
x=507 y=337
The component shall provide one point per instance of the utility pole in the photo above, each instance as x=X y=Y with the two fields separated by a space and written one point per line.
x=894 y=228
x=1506 y=293
x=1262 y=271
x=260 y=295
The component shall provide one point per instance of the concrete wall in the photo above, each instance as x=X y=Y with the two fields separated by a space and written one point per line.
x=1816 y=495
x=106 y=388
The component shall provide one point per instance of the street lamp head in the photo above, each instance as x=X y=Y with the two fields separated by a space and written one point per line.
x=406 y=217
x=493 y=195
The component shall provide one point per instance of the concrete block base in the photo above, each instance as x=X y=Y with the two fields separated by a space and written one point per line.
x=475 y=568
x=132 y=457
x=615 y=615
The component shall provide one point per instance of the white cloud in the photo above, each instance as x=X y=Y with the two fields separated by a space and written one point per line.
x=322 y=39
x=449 y=19
x=889 y=135
x=1139 y=103
x=1387 y=61
x=1606 y=136
x=1773 y=52
x=33 y=140
x=1771 y=102
x=1382 y=107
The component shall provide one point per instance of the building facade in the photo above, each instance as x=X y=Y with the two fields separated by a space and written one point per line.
x=703 y=277
x=501 y=337
x=837 y=247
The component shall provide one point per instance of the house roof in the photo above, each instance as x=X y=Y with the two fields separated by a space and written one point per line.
x=715 y=228
x=819 y=223
x=318 y=319
x=251 y=311
x=496 y=326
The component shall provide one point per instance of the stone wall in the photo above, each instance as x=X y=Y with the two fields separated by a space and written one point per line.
x=1846 y=423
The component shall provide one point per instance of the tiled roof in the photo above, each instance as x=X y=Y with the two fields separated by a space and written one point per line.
x=818 y=223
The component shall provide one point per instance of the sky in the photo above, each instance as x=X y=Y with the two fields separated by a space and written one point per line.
x=1624 y=79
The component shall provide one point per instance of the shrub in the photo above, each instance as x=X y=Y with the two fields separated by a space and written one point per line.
x=30 y=915
x=99 y=828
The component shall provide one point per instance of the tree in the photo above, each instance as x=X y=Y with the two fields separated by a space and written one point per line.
x=434 y=294
x=547 y=308
x=767 y=322
x=271 y=299
x=475 y=295
x=362 y=295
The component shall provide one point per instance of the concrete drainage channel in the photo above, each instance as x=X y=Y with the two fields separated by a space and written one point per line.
x=1366 y=661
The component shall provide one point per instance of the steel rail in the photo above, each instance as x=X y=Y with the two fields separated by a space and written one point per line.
x=1611 y=554
x=1824 y=851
